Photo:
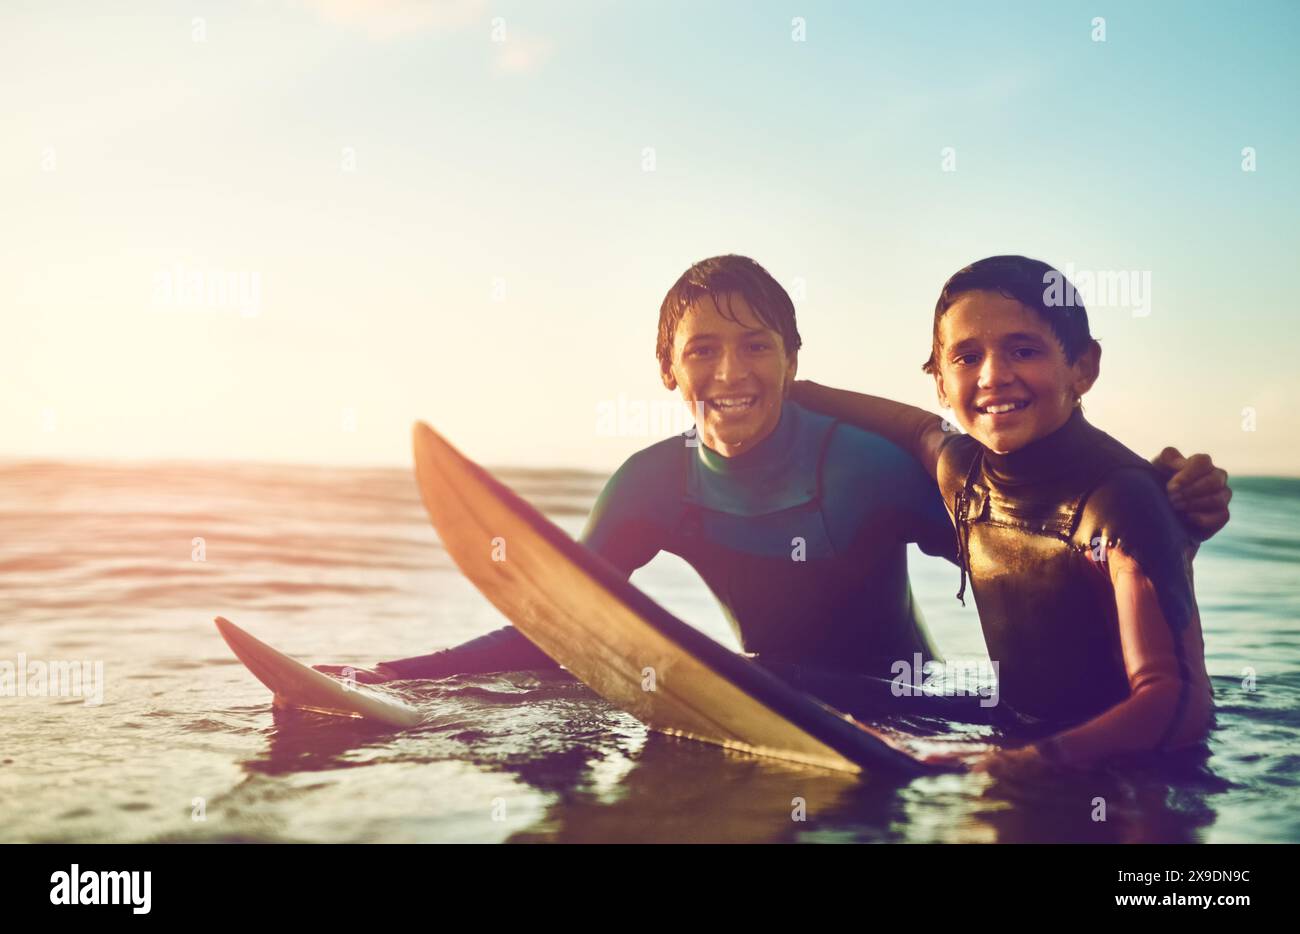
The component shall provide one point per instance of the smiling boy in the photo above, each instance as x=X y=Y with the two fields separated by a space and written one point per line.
x=1080 y=567
x=799 y=524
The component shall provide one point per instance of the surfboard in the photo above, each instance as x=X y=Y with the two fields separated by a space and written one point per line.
x=580 y=611
x=296 y=685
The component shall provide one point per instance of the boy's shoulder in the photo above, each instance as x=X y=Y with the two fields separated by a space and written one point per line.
x=627 y=522
x=956 y=454
x=851 y=448
x=1130 y=510
x=655 y=462
x=1129 y=501
x=865 y=472
x=1122 y=487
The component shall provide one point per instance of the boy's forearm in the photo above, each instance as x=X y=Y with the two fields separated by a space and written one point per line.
x=916 y=431
x=1165 y=707
x=1134 y=725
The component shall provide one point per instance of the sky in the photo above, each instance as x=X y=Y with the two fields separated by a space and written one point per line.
x=283 y=231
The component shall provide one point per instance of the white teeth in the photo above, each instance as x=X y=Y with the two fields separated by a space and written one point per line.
x=740 y=402
x=1003 y=408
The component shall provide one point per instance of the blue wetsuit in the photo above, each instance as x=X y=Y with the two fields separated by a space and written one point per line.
x=803 y=540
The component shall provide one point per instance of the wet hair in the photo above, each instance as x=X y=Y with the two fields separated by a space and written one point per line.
x=1034 y=284
x=719 y=277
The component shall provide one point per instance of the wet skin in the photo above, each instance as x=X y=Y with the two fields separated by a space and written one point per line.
x=1004 y=373
x=734 y=375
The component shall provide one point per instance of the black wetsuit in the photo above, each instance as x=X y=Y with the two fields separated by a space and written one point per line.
x=802 y=540
x=1032 y=526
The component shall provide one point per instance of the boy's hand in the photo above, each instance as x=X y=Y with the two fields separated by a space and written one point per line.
x=1197 y=489
x=1023 y=764
x=959 y=757
x=953 y=761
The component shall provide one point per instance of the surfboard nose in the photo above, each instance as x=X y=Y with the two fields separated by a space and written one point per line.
x=232 y=633
x=294 y=684
x=420 y=431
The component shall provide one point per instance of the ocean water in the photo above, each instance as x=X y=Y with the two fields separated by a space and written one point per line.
x=98 y=564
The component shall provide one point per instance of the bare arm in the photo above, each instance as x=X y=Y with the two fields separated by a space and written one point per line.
x=1197 y=489
x=1168 y=701
x=916 y=431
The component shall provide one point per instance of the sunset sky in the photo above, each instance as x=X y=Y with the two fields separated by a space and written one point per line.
x=469 y=212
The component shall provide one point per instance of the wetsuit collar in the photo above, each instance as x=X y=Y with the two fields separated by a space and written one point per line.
x=772 y=449
x=1054 y=455
x=778 y=473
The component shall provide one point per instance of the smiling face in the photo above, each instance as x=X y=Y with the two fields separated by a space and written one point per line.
x=1004 y=372
x=734 y=374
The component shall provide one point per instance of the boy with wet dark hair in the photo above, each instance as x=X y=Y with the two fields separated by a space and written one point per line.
x=1031 y=282
x=1080 y=567
x=798 y=524
x=719 y=278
